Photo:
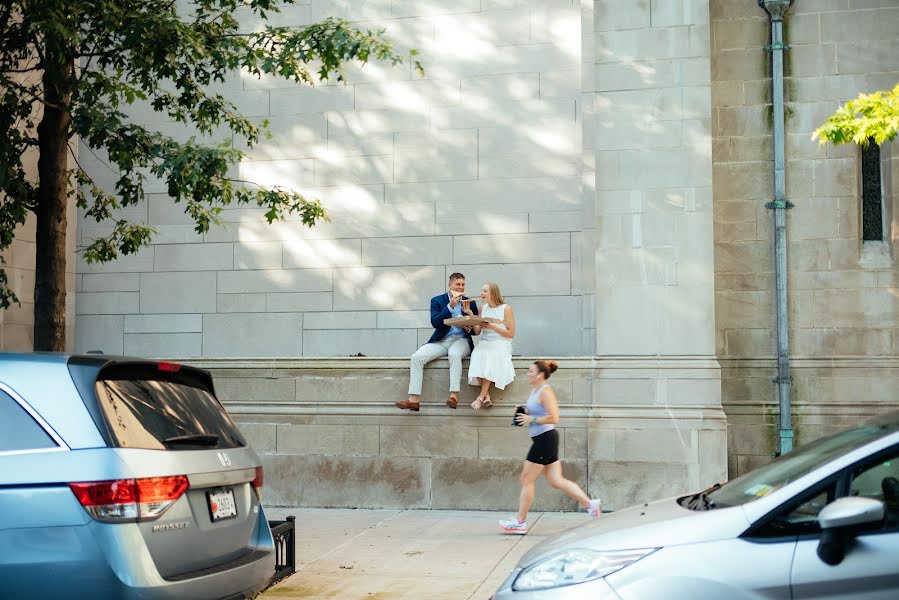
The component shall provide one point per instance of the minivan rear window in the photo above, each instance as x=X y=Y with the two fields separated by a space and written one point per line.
x=162 y=412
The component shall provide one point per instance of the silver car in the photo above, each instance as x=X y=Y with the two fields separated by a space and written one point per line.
x=124 y=478
x=819 y=522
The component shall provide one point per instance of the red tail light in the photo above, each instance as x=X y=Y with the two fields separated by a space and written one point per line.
x=130 y=499
x=257 y=482
x=161 y=489
x=169 y=367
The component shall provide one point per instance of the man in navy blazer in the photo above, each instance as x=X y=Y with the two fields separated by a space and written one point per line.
x=453 y=342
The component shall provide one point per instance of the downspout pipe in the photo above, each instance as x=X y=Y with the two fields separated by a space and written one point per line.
x=776 y=10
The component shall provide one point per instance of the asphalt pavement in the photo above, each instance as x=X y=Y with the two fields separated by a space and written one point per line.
x=397 y=554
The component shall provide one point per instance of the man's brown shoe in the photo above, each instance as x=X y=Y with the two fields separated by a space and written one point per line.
x=452 y=402
x=406 y=405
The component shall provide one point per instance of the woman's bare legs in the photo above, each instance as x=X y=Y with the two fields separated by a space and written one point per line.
x=529 y=474
x=485 y=387
x=554 y=477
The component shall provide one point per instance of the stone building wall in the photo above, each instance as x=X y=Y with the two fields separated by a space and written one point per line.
x=642 y=417
x=561 y=148
x=475 y=167
x=657 y=382
x=843 y=306
x=17 y=321
x=608 y=164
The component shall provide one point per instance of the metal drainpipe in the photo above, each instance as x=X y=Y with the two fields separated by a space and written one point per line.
x=776 y=10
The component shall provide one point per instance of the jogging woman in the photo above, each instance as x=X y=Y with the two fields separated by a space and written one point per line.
x=541 y=418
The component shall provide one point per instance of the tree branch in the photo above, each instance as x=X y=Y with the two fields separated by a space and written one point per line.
x=27 y=91
x=29 y=70
x=91 y=150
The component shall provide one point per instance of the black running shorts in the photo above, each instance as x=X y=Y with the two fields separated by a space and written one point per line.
x=544 y=448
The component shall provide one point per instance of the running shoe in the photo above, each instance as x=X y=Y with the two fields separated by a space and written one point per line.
x=514 y=526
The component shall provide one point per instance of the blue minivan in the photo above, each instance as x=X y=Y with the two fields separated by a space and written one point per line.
x=125 y=478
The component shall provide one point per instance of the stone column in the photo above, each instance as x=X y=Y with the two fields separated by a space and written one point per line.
x=657 y=425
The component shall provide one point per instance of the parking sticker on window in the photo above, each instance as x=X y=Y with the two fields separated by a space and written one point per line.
x=759 y=490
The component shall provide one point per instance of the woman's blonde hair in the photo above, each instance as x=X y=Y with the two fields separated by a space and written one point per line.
x=495 y=294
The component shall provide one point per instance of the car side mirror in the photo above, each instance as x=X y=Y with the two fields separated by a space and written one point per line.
x=841 y=520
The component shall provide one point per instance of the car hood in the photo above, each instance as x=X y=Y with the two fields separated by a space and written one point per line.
x=653 y=525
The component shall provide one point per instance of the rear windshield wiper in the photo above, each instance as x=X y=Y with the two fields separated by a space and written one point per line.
x=197 y=439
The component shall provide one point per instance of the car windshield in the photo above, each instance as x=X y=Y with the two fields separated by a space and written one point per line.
x=789 y=467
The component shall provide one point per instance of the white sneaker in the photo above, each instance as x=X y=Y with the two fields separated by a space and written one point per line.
x=595 y=508
x=514 y=526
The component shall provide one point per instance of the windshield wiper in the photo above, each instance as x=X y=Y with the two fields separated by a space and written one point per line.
x=197 y=439
x=701 y=500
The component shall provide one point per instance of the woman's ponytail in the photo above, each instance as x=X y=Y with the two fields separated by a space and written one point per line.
x=547 y=367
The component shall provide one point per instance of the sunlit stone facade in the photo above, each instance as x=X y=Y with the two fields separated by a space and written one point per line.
x=607 y=163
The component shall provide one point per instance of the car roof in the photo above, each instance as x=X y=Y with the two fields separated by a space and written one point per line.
x=47 y=357
x=64 y=357
x=43 y=381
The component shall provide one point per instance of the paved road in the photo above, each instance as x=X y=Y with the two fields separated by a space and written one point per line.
x=397 y=554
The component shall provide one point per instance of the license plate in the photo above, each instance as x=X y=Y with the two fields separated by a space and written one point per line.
x=221 y=504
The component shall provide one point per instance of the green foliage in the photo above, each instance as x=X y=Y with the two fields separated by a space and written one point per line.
x=868 y=117
x=128 y=51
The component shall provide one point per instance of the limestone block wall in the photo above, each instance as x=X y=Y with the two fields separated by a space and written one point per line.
x=17 y=321
x=843 y=308
x=561 y=148
x=475 y=167
x=659 y=380
x=329 y=435
x=653 y=177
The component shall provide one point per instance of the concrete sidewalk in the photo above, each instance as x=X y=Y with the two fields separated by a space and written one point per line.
x=394 y=554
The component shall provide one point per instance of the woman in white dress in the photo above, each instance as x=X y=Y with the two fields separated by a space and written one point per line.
x=491 y=359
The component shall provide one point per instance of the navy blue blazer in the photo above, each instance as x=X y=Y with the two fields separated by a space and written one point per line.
x=440 y=311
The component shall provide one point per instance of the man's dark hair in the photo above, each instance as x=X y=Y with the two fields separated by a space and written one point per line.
x=456 y=276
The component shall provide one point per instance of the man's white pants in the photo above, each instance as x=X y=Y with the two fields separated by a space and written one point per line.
x=455 y=349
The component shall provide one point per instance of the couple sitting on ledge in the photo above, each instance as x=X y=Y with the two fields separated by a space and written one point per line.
x=491 y=359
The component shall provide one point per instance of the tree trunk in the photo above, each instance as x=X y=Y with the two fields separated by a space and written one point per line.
x=52 y=200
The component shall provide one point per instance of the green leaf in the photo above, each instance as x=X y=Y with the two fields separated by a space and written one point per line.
x=868 y=117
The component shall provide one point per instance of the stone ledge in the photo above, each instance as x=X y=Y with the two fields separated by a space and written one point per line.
x=580 y=410
x=660 y=416
x=520 y=362
x=814 y=362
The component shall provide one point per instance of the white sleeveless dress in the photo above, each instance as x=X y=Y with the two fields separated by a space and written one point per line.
x=492 y=357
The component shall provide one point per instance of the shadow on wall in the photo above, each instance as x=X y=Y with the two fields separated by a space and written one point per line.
x=485 y=165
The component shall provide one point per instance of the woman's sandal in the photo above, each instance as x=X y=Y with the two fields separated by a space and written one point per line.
x=486 y=402
x=478 y=402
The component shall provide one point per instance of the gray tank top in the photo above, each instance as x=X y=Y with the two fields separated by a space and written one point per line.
x=536 y=409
